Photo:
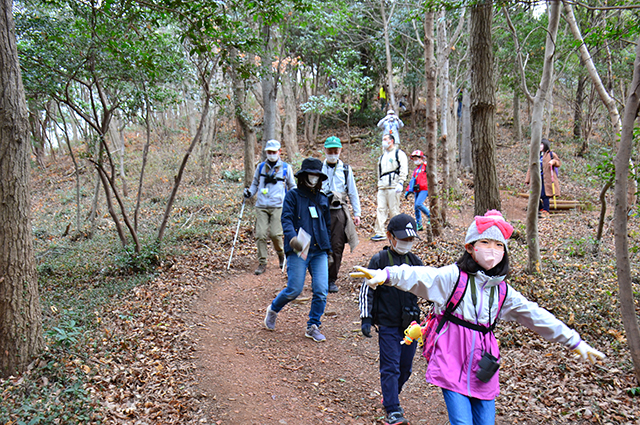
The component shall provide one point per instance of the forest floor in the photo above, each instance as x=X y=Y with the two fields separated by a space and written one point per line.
x=245 y=374
x=190 y=347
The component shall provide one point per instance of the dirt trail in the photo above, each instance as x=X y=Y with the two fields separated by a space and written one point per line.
x=254 y=376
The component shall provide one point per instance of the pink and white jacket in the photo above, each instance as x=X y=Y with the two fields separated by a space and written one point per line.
x=457 y=349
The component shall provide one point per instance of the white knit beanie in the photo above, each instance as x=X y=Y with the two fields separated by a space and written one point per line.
x=494 y=226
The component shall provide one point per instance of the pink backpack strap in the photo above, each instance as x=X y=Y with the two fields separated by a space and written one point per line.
x=454 y=299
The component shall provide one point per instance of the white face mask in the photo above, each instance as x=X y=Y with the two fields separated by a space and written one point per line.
x=488 y=258
x=273 y=157
x=402 y=247
x=417 y=161
x=312 y=180
x=386 y=144
x=332 y=159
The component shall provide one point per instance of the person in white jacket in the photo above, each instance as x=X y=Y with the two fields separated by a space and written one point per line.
x=393 y=168
x=390 y=124
x=466 y=357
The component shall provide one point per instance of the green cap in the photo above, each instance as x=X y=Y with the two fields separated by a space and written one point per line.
x=332 y=142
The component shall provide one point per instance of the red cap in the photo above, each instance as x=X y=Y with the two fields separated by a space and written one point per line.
x=417 y=153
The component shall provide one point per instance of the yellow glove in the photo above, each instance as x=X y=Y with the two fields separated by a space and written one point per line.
x=373 y=278
x=586 y=352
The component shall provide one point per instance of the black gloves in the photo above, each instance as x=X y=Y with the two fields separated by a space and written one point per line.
x=366 y=330
x=406 y=195
x=247 y=192
x=366 y=327
x=295 y=244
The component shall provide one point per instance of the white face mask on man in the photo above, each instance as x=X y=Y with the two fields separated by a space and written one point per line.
x=273 y=157
x=333 y=159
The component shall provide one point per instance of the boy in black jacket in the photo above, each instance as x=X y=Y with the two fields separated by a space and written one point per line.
x=392 y=310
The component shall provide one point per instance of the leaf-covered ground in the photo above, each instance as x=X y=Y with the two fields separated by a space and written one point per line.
x=189 y=347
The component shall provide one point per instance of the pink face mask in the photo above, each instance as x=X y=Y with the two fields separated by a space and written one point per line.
x=488 y=258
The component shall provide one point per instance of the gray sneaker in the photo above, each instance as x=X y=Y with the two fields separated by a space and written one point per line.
x=314 y=333
x=270 y=319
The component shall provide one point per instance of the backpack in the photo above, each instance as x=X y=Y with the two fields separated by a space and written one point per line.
x=433 y=324
x=276 y=179
x=396 y=171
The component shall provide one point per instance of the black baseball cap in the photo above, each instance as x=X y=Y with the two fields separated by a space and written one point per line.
x=403 y=226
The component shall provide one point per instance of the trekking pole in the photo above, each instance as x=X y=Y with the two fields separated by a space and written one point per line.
x=553 y=189
x=236 y=237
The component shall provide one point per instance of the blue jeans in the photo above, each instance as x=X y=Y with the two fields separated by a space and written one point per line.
x=419 y=206
x=396 y=361
x=318 y=266
x=465 y=410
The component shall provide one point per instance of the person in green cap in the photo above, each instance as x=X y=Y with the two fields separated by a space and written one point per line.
x=340 y=186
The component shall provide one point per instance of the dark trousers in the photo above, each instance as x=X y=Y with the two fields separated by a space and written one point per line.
x=396 y=361
x=338 y=241
x=544 y=199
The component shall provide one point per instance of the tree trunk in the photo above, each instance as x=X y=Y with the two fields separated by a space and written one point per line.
x=533 y=247
x=443 y=74
x=65 y=130
x=269 y=88
x=38 y=139
x=626 y=295
x=431 y=121
x=483 y=130
x=577 y=109
x=185 y=158
x=466 y=159
x=248 y=129
x=391 y=97
x=20 y=311
x=517 y=122
x=290 y=129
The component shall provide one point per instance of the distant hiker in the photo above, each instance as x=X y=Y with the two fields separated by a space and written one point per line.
x=419 y=187
x=390 y=124
x=382 y=97
x=306 y=221
x=550 y=184
x=392 y=310
x=271 y=181
x=465 y=356
x=339 y=186
x=392 y=173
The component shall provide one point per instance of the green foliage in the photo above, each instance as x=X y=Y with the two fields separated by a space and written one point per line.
x=233 y=175
x=128 y=261
x=65 y=334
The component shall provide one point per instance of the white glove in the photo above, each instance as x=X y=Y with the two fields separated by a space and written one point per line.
x=586 y=352
x=373 y=278
x=399 y=187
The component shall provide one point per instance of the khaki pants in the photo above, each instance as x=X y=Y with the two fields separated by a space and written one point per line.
x=268 y=224
x=388 y=206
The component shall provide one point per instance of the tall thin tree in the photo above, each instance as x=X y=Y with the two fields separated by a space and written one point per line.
x=20 y=313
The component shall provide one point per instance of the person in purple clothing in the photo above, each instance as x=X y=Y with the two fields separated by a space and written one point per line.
x=466 y=357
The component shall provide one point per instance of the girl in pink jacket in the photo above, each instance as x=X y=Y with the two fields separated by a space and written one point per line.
x=466 y=357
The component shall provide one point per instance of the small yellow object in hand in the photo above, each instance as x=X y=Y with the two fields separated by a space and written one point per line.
x=361 y=273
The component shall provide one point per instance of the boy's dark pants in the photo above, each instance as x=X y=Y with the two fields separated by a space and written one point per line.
x=395 y=365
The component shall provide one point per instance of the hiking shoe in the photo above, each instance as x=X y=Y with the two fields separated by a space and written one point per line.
x=395 y=418
x=261 y=269
x=420 y=228
x=377 y=238
x=281 y=260
x=314 y=333
x=333 y=287
x=270 y=319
